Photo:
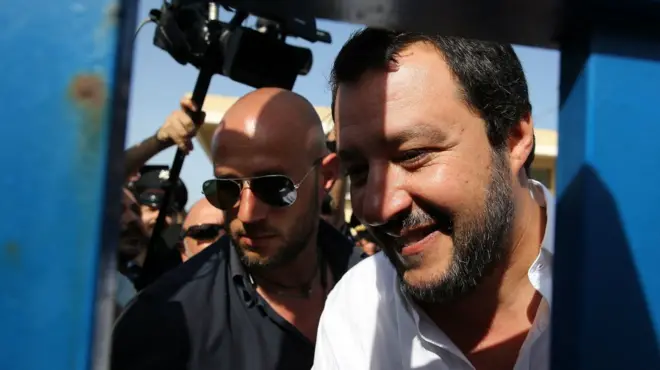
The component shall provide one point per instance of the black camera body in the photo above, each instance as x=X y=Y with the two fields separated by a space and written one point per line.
x=191 y=32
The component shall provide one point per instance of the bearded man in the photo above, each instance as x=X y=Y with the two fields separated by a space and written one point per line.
x=436 y=136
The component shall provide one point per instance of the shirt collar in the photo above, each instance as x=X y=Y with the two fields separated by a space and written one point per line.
x=548 y=202
x=239 y=276
x=236 y=267
x=540 y=272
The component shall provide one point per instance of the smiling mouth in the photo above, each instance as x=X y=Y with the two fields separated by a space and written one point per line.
x=415 y=241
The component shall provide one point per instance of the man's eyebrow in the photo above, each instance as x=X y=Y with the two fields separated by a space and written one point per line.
x=265 y=172
x=419 y=131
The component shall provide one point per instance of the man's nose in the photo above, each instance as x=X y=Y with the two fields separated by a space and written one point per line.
x=250 y=208
x=384 y=196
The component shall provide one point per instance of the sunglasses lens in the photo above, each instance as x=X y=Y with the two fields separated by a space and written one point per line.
x=222 y=194
x=277 y=191
x=203 y=232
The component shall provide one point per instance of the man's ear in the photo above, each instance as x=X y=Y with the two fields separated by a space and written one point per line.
x=521 y=144
x=329 y=171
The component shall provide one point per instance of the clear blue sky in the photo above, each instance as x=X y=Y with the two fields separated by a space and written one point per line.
x=159 y=83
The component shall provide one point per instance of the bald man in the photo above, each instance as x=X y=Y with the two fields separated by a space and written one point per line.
x=253 y=299
x=202 y=227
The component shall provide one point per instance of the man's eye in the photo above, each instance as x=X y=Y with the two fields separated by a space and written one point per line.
x=411 y=156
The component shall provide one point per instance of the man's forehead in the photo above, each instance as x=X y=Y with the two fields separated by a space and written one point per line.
x=413 y=102
x=257 y=137
x=210 y=215
x=205 y=213
x=389 y=121
x=277 y=153
x=252 y=165
x=353 y=144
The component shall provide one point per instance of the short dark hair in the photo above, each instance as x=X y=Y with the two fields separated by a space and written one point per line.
x=490 y=74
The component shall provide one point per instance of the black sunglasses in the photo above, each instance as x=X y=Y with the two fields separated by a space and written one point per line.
x=274 y=190
x=202 y=232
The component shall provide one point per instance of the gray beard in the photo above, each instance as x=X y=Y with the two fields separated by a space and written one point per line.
x=480 y=244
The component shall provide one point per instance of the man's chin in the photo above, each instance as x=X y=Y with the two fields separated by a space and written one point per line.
x=426 y=283
x=423 y=290
x=252 y=257
x=417 y=279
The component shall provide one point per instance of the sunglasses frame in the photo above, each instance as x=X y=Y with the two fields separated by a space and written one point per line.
x=244 y=183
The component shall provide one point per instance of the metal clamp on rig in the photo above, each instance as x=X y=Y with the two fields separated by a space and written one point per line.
x=191 y=32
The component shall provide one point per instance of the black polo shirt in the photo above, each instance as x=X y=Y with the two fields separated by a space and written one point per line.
x=205 y=315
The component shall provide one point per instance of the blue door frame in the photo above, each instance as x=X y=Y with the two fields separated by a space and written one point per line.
x=66 y=71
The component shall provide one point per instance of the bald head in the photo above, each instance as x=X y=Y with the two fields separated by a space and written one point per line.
x=268 y=135
x=203 y=212
x=271 y=119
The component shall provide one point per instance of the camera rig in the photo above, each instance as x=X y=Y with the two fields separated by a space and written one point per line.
x=192 y=33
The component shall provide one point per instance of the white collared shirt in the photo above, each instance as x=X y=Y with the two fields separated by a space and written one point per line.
x=368 y=323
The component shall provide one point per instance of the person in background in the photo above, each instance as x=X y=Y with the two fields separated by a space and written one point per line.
x=180 y=217
x=252 y=300
x=178 y=130
x=326 y=209
x=147 y=183
x=329 y=215
x=363 y=239
x=203 y=226
x=335 y=201
x=436 y=135
x=150 y=189
x=132 y=248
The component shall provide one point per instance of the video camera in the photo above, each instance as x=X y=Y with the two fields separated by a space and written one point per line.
x=191 y=32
